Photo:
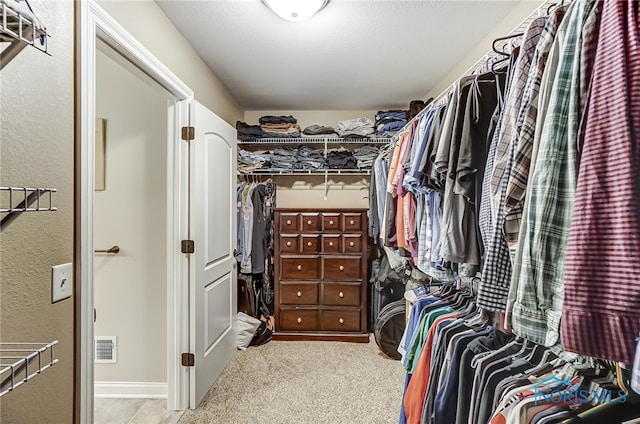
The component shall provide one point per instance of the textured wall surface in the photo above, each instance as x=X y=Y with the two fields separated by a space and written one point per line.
x=130 y=287
x=36 y=100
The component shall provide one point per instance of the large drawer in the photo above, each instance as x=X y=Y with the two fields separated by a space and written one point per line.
x=340 y=320
x=293 y=319
x=342 y=268
x=341 y=294
x=300 y=267
x=298 y=293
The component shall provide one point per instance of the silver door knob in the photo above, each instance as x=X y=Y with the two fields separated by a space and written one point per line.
x=309 y=244
x=299 y=267
x=352 y=244
x=288 y=222
x=341 y=268
x=299 y=294
x=341 y=321
x=340 y=294
x=330 y=244
x=288 y=244
x=299 y=320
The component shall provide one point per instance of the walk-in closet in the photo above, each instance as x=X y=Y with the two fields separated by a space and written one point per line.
x=320 y=211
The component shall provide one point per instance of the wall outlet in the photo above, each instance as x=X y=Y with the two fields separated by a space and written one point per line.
x=61 y=282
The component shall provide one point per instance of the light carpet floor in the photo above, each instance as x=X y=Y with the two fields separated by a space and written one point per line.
x=304 y=382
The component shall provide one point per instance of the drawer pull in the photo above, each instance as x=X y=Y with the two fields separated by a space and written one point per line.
x=309 y=244
x=341 y=321
x=340 y=294
x=309 y=222
x=299 y=267
x=299 y=294
x=288 y=244
x=330 y=244
x=288 y=222
x=352 y=222
x=352 y=244
x=341 y=268
x=331 y=222
x=299 y=320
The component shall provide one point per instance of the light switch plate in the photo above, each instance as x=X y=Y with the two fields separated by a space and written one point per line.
x=61 y=282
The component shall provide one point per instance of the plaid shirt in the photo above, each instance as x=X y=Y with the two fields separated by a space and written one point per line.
x=496 y=274
x=601 y=317
x=551 y=192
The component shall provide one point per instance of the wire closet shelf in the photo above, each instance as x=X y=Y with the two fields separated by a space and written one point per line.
x=21 y=362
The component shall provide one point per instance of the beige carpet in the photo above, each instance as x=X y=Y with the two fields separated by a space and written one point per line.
x=304 y=382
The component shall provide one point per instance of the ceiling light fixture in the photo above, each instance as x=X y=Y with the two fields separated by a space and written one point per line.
x=295 y=10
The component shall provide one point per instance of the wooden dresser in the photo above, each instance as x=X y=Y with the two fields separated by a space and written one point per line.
x=321 y=274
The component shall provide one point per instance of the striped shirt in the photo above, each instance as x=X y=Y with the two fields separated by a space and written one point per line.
x=601 y=317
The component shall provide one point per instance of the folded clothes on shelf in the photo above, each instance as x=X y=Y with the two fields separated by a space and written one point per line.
x=352 y=128
x=388 y=122
x=319 y=130
x=272 y=119
x=249 y=132
x=365 y=156
x=341 y=159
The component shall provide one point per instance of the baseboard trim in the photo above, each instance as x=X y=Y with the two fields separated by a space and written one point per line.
x=125 y=389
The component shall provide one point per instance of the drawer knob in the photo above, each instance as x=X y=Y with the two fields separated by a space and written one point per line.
x=288 y=244
x=352 y=244
x=299 y=294
x=299 y=320
x=341 y=321
x=309 y=244
x=352 y=222
x=330 y=244
x=340 y=294
x=309 y=222
x=341 y=268
x=299 y=267
x=288 y=222
x=331 y=222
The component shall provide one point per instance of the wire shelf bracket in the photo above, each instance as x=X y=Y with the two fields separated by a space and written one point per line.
x=20 y=28
x=21 y=362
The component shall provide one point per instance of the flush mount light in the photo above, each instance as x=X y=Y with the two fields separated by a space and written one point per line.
x=295 y=10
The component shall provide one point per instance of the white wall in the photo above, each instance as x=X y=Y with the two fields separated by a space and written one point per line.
x=309 y=192
x=130 y=288
x=150 y=26
x=36 y=129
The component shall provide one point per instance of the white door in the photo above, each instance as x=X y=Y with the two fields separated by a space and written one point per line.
x=212 y=266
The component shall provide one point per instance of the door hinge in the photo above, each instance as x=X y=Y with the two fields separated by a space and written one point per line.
x=188 y=359
x=188 y=133
x=188 y=246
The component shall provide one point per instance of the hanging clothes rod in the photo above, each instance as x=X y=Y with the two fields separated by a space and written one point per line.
x=541 y=10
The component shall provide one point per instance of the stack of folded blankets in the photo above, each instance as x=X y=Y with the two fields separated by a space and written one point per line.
x=388 y=122
x=319 y=131
x=365 y=156
x=270 y=127
x=355 y=128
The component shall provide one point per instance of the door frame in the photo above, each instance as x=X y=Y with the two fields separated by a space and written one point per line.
x=95 y=28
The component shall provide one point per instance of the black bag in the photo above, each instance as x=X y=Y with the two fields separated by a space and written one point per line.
x=389 y=328
x=262 y=336
x=387 y=285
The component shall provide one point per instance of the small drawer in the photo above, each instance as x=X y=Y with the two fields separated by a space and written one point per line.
x=299 y=294
x=352 y=244
x=289 y=222
x=299 y=319
x=310 y=244
x=330 y=244
x=331 y=221
x=341 y=294
x=342 y=268
x=288 y=244
x=337 y=320
x=310 y=222
x=300 y=268
x=352 y=222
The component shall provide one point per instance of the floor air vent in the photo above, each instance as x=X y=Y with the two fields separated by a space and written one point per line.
x=105 y=350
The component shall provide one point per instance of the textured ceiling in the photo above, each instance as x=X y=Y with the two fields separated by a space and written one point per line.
x=354 y=54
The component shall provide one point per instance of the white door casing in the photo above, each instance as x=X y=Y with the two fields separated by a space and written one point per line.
x=213 y=296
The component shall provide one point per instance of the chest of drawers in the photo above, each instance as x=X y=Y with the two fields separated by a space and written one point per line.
x=321 y=274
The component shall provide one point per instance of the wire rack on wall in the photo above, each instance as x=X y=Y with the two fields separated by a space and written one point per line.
x=320 y=172
x=21 y=362
x=16 y=200
x=20 y=27
x=316 y=140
